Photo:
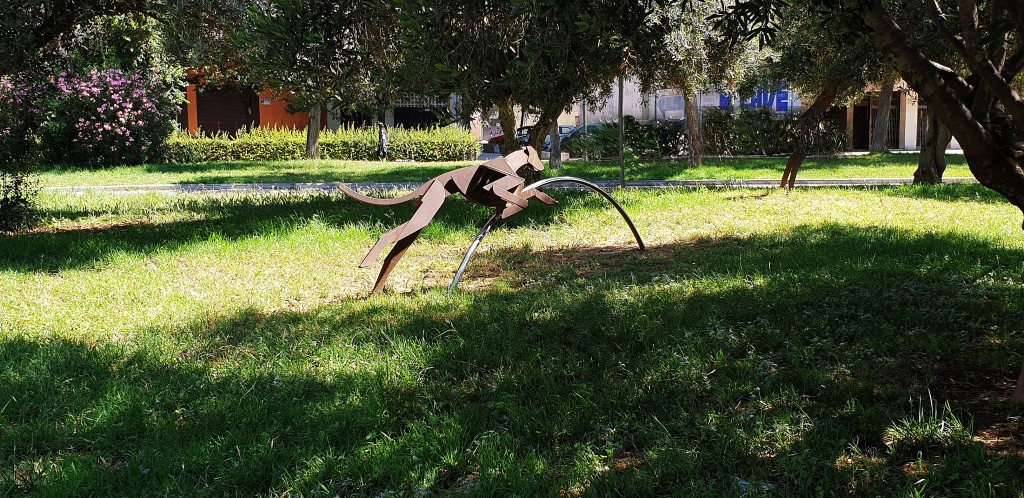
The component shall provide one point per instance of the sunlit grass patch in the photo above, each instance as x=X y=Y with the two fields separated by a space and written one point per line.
x=301 y=171
x=766 y=343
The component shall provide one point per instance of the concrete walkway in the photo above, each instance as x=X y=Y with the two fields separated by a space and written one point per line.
x=607 y=184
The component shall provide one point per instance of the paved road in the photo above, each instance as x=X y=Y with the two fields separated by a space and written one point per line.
x=607 y=184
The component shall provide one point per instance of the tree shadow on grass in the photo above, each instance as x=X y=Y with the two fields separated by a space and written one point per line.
x=687 y=371
x=950 y=192
x=236 y=217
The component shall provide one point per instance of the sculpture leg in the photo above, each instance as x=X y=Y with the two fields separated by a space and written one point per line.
x=407 y=232
x=540 y=196
x=392 y=260
x=384 y=240
x=472 y=249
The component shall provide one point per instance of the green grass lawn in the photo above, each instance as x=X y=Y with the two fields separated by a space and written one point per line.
x=816 y=343
x=872 y=166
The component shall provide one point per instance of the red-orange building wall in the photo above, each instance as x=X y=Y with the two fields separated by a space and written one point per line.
x=273 y=112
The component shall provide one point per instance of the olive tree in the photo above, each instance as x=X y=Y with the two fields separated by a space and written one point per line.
x=541 y=55
x=980 y=105
x=322 y=51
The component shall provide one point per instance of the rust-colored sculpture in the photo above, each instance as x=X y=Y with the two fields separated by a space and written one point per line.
x=495 y=183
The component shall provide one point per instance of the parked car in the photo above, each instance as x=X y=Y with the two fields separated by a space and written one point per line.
x=523 y=135
x=564 y=132
x=576 y=132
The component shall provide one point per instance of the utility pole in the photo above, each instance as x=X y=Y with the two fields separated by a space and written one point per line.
x=622 y=140
x=583 y=113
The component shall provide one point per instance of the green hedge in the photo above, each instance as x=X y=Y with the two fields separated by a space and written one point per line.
x=262 y=144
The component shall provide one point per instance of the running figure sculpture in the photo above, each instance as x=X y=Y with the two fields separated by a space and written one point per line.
x=495 y=183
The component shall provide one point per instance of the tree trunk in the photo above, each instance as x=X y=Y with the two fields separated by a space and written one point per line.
x=880 y=135
x=810 y=117
x=556 y=148
x=313 y=134
x=932 y=163
x=1018 y=394
x=537 y=136
x=696 y=142
x=507 y=119
x=991 y=147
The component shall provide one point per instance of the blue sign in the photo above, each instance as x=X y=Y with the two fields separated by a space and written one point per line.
x=777 y=99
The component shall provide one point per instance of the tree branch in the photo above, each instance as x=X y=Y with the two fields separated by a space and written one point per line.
x=1014 y=64
x=924 y=77
x=977 y=59
x=940 y=18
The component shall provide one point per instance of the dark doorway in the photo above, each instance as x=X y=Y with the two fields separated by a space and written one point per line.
x=226 y=111
x=415 y=117
x=861 y=126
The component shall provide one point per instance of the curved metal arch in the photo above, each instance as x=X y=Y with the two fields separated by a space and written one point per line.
x=493 y=221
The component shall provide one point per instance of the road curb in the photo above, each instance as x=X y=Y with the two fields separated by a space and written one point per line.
x=385 y=186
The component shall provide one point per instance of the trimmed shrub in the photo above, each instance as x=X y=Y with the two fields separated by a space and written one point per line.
x=645 y=140
x=110 y=117
x=600 y=143
x=267 y=144
x=719 y=132
x=763 y=132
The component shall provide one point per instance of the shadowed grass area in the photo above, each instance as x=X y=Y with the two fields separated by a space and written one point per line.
x=766 y=344
x=868 y=166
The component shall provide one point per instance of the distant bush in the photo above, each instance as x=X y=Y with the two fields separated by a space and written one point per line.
x=111 y=117
x=719 y=132
x=763 y=132
x=266 y=144
x=645 y=140
x=758 y=131
x=20 y=117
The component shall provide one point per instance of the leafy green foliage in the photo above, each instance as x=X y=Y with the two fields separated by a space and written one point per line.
x=17 y=193
x=261 y=144
x=31 y=26
x=719 y=131
x=750 y=132
x=542 y=55
x=762 y=131
x=21 y=115
x=321 y=50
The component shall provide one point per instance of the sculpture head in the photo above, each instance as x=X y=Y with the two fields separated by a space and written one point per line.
x=526 y=157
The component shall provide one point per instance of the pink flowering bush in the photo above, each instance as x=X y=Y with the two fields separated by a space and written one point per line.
x=110 y=117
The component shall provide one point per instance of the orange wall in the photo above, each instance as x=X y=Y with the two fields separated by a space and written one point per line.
x=272 y=115
x=193 y=117
x=276 y=115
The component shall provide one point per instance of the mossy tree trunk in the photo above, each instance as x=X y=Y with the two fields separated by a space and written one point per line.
x=313 y=133
x=880 y=134
x=932 y=163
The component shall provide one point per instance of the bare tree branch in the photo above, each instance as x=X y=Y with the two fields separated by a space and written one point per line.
x=977 y=59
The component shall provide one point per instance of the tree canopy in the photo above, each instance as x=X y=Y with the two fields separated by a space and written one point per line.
x=542 y=55
x=979 y=105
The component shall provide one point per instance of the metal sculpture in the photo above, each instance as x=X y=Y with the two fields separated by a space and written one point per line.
x=495 y=183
